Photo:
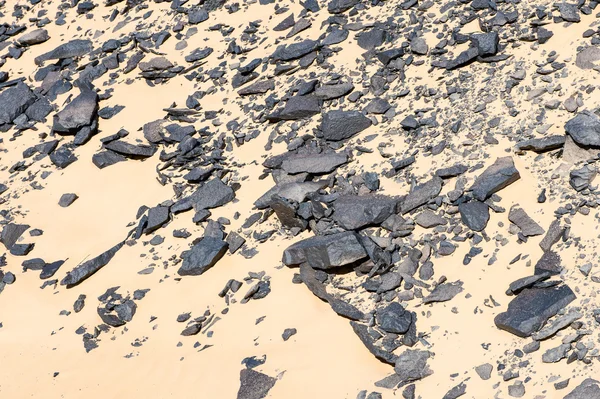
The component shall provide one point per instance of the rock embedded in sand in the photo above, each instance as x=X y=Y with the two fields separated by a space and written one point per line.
x=88 y=268
x=11 y=232
x=362 y=331
x=588 y=389
x=532 y=308
x=326 y=252
x=422 y=194
x=394 y=319
x=353 y=212
x=297 y=191
x=297 y=107
x=254 y=385
x=212 y=194
x=295 y=50
x=74 y=48
x=543 y=144
x=67 y=199
x=496 y=177
x=314 y=163
x=340 y=125
x=444 y=292
x=484 y=371
x=14 y=101
x=474 y=214
x=528 y=226
x=411 y=365
x=202 y=256
x=584 y=129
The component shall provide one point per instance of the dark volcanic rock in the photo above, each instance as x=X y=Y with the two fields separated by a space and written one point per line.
x=74 y=48
x=297 y=107
x=532 y=308
x=363 y=333
x=63 y=157
x=527 y=225
x=411 y=365
x=394 y=319
x=107 y=158
x=212 y=194
x=202 y=256
x=422 y=194
x=474 y=214
x=497 y=176
x=11 y=233
x=444 y=292
x=67 y=199
x=353 y=212
x=548 y=263
x=463 y=59
x=542 y=144
x=88 y=268
x=34 y=37
x=254 y=385
x=80 y=112
x=293 y=191
x=326 y=252
x=588 y=389
x=295 y=50
x=14 y=101
x=340 y=6
x=131 y=150
x=584 y=129
x=581 y=178
x=339 y=125
x=315 y=163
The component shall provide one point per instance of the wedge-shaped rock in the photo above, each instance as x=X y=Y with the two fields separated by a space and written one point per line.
x=340 y=125
x=315 y=163
x=549 y=263
x=422 y=194
x=131 y=150
x=295 y=50
x=394 y=319
x=80 y=112
x=254 y=385
x=202 y=256
x=74 y=48
x=411 y=365
x=88 y=268
x=497 y=176
x=297 y=107
x=296 y=191
x=11 y=233
x=326 y=252
x=444 y=292
x=530 y=310
x=354 y=212
x=588 y=389
x=363 y=334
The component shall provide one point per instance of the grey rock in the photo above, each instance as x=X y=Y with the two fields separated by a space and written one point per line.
x=88 y=268
x=569 y=12
x=526 y=282
x=554 y=234
x=74 y=48
x=584 y=129
x=456 y=391
x=528 y=226
x=516 y=390
x=297 y=107
x=314 y=163
x=394 y=319
x=34 y=37
x=532 y=308
x=204 y=255
x=353 y=212
x=486 y=43
x=474 y=214
x=14 y=101
x=330 y=92
x=288 y=333
x=80 y=112
x=581 y=178
x=157 y=217
x=554 y=355
x=419 y=46
x=254 y=385
x=131 y=150
x=428 y=219
x=558 y=324
x=371 y=39
x=543 y=144
x=444 y=292
x=340 y=125
x=587 y=57
x=295 y=50
x=296 y=191
x=340 y=6
x=484 y=371
x=387 y=357
x=326 y=252
x=496 y=177
x=588 y=389
x=411 y=365
x=212 y=194
x=11 y=232
x=549 y=263
x=107 y=158
x=463 y=59
x=422 y=194
x=67 y=199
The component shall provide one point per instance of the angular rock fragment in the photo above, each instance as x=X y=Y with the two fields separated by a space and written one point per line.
x=74 y=48
x=353 y=212
x=542 y=144
x=363 y=334
x=474 y=214
x=131 y=150
x=411 y=365
x=532 y=308
x=88 y=268
x=295 y=50
x=422 y=194
x=204 y=255
x=254 y=385
x=34 y=37
x=584 y=129
x=79 y=113
x=444 y=292
x=67 y=199
x=292 y=191
x=557 y=325
x=14 y=101
x=496 y=177
x=212 y=194
x=297 y=107
x=326 y=252
x=549 y=263
x=340 y=125
x=528 y=226
x=394 y=319
x=315 y=164
x=588 y=389
x=11 y=232
x=581 y=178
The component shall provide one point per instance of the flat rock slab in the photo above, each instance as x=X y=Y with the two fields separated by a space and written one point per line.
x=542 y=144
x=131 y=150
x=14 y=101
x=340 y=125
x=354 y=212
x=202 y=256
x=444 y=292
x=530 y=310
x=326 y=252
x=78 y=113
x=549 y=263
x=587 y=57
x=528 y=226
x=496 y=177
x=74 y=48
x=411 y=365
x=11 y=233
x=422 y=194
x=212 y=194
x=588 y=389
x=254 y=385
x=315 y=164
x=295 y=191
